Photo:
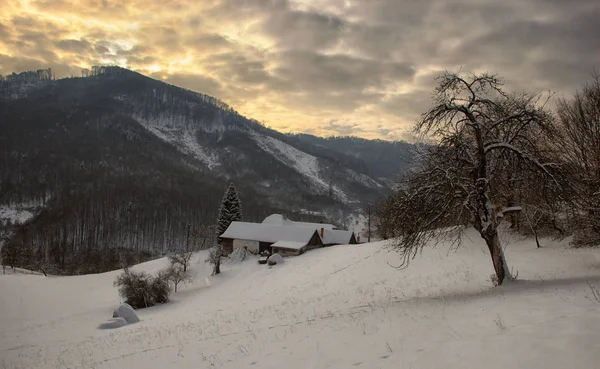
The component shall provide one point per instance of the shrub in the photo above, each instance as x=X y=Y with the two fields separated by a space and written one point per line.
x=160 y=290
x=140 y=289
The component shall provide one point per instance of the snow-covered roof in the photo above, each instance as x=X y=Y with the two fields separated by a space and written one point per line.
x=336 y=236
x=268 y=232
x=278 y=219
x=289 y=245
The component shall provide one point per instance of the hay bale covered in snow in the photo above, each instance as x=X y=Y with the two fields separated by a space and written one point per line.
x=275 y=259
x=113 y=323
x=126 y=312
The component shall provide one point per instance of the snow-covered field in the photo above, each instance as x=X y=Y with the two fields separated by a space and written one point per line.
x=338 y=307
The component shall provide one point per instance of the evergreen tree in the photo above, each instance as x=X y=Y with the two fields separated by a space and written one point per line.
x=230 y=210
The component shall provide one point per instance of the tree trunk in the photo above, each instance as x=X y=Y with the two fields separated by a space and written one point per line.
x=217 y=269
x=498 y=260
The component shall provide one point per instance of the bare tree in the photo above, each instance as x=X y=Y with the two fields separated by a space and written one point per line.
x=181 y=258
x=384 y=217
x=579 y=145
x=368 y=222
x=176 y=274
x=204 y=236
x=480 y=130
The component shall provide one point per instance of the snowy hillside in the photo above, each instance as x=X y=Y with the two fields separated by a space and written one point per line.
x=183 y=138
x=305 y=164
x=123 y=143
x=14 y=215
x=337 y=307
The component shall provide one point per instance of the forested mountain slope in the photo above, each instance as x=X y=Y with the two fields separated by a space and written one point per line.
x=118 y=161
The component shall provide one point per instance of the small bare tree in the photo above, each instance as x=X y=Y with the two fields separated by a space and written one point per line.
x=181 y=258
x=204 y=237
x=479 y=130
x=176 y=274
x=214 y=258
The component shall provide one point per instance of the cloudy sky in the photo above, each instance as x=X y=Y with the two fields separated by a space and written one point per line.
x=327 y=67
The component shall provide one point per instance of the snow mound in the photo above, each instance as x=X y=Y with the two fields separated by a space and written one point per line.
x=275 y=259
x=113 y=323
x=122 y=316
x=126 y=312
x=238 y=255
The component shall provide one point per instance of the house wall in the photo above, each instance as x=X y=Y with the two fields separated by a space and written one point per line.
x=253 y=246
x=314 y=242
x=287 y=252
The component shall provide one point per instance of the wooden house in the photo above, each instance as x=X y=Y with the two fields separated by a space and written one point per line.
x=278 y=234
x=258 y=237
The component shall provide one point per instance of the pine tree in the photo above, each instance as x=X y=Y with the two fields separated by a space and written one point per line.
x=230 y=210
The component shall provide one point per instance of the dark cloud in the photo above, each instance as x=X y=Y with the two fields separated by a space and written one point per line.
x=165 y=38
x=75 y=46
x=9 y=64
x=237 y=67
x=342 y=129
x=208 y=40
x=243 y=9
x=4 y=32
x=192 y=82
x=101 y=49
x=337 y=72
x=25 y=22
x=366 y=67
x=304 y=30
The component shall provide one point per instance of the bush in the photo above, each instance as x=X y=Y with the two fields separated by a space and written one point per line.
x=140 y=289
x=159 y=288
x=586 y=236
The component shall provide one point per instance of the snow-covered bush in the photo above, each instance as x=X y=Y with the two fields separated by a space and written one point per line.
x=214 y=258
x=239 y=255
x=140 y=289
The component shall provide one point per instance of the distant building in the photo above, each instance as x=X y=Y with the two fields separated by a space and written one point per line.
x=281 y=235
x=258 y=237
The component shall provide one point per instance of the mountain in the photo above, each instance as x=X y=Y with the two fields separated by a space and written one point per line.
x=118 y=161
x=384 y=160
